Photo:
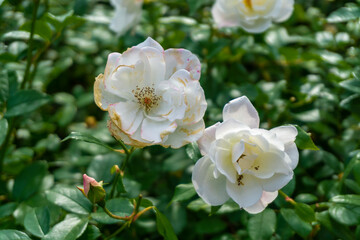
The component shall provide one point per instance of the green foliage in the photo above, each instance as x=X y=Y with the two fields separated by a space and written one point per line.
x=304 y=71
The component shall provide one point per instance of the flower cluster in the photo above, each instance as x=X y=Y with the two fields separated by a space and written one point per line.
x=255 y=16
x=152 y=96
x=242 y=161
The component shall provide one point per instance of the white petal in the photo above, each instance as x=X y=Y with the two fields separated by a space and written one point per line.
x=276 y=182
x=286 y=134
x=149 y=42
x=126 y=115
x=124 y=79
x=177 y=59
x=185 y=134
x=206 y=140
x=242 y=110
x=223 y=16
x=127 y=14
x=102 y=97
x=286 y=10
x=293 y=153
x=211 y=190
x=156 y=65
x=258 y=25
x=228 y=127
x=266 y=198
x=270 y=163
x=269 y=197
x=120 y=135
x=237 y=151
x=155 y=131
x=224 y=164
x=246 y=194
x=195 y=102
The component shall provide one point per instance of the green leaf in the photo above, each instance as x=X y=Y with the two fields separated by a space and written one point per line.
x=262 y=225
x=87 y=138
x=296 y=223
x=210 y=225
x=198 y=205
x=70 y=199
x=183 y=192
x=4 y=87
x=42 y=29
x=91 y=233
x=303 y=140
x=335 y=228
x=69 y=229
x=214 y=209
x=118 y=206
x=29 y=180
x=164 y=226
x=19 y=35
x=7 y=209
x=347 y=199
x=305 y=212
x=306 y=198
x=353 y=162
x=3 y=130
x=101 y=165
x=351 y=103
x=25 y=101
x=344 y=14
x=194 y=5
x=352 y=85
x=347 y=215
x=13 y=235
x=37 y=221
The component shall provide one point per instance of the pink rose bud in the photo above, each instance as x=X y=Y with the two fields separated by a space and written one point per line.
x=93 y=190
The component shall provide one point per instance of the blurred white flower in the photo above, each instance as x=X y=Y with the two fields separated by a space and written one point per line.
x=255 y=16
x=242 y=161
x=152 y=96
x=127 y=14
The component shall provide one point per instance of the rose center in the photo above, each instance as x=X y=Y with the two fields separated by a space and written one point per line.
x=146 y=97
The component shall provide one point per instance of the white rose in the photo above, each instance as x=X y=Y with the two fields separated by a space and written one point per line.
x=242 y=161
x=255 y=16
x=152 y=96
x=127 y=14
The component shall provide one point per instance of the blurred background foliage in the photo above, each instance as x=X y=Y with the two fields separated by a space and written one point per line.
x=305 y=71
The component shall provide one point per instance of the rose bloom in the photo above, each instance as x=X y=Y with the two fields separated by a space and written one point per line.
x=152 y=96
x=127 y=14
x=254 y=16
x=242 y=161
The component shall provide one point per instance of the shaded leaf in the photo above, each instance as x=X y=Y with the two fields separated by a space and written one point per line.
x=262 y=225
x=164 y=226
x=296 y=223
x=25 y=101
x=183 y=192
x=29 y=180
x=3 y=130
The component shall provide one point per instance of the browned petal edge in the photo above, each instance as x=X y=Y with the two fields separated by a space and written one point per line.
x=98 y=91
